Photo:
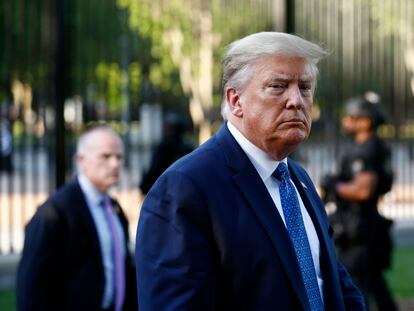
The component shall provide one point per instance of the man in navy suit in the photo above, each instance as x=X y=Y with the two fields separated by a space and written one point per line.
x=213 y=231
x=68 y=261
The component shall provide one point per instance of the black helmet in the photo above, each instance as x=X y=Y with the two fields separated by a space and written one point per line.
x=366 y=105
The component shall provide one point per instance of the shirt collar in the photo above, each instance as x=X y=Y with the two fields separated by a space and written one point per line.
x=91 y=193
x=264 y=164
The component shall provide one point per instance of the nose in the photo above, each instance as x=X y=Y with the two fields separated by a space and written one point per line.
x=116 y=161
x=295 y=99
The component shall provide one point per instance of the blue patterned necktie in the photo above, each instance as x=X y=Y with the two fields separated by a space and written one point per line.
x=298 y=236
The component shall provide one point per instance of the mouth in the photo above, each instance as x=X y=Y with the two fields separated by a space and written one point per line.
x=294 y=122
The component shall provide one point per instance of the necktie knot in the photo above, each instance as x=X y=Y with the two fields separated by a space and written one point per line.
x=105 y=202
x=281 y=173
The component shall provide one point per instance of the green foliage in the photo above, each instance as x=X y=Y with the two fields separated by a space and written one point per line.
x=135 y=80
x=115 y=45
x=150 y=19
x=187 y=39
x=101 y=53
x=155 y=19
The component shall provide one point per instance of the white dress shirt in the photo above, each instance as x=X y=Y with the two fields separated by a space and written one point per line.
x=94 y=199
x=265 y=166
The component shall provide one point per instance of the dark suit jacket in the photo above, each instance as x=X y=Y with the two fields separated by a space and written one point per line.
x=210 y=238
x=61 y=265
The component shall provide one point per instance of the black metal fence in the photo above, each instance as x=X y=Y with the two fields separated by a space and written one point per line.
x=66 y=63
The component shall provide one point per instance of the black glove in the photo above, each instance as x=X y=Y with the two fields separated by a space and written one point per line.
x=328 y=185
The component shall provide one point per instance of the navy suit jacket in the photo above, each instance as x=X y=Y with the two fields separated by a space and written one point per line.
x=61 y=266
x=210 y=238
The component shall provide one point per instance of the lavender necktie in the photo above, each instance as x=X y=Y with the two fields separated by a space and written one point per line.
x=298 y=236
x=117 y=256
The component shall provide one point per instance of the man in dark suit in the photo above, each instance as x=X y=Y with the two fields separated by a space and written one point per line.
x=235 y=225
x=75 y=254
x=171 y=148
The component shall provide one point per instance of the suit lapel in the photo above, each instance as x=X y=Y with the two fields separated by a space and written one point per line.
x=86 y=221
x=252 y=188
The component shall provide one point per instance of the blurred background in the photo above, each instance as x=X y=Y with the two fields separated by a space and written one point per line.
x=68 y=63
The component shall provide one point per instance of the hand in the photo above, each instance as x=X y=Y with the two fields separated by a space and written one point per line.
x=328 y=186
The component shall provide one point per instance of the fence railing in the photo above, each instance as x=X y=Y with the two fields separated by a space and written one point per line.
x=91 y=62
x=22 y=191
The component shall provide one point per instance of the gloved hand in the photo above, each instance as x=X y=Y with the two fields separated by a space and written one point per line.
x=328 y=185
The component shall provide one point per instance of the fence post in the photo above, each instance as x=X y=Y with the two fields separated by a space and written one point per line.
x=290 y=16
x=60 y=91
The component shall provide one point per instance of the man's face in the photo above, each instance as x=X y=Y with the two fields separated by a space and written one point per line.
x=349 y=124
x=102 y=160
x=274 y=107
x=352 y=125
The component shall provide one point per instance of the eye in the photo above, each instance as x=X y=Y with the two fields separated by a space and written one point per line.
x=278 y=86
x=306 y=89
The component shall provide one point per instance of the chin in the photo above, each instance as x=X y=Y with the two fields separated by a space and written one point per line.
x=296 y=138
x=114 y=183
x=111 y=184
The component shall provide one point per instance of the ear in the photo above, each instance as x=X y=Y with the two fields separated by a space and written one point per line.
x=79 y=160
x=233 y=101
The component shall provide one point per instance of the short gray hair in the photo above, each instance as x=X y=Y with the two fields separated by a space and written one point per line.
x=241 y=55
x=87 y=135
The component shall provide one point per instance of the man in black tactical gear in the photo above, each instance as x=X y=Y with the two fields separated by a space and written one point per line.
x=362 y=235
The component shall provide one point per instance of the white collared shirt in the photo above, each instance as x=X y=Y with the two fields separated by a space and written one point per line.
x=265 y=166
x=93 y=200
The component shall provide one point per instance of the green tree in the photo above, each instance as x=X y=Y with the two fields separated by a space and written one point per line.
x=99 y=64
x=188 y=36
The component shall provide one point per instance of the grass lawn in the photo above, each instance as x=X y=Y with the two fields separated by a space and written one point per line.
x=401 y=280
x=7 y=300
x=401 y=275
